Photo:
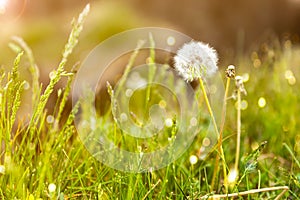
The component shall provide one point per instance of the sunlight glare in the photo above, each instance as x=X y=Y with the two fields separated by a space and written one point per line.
x=3 y=5
x=232 y=176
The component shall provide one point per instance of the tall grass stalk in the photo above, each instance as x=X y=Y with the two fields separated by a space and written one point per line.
x=64 y=99
x=33 y=69
x=129 y=66
x=10 y=103
x=151 y=74
x=71 y=44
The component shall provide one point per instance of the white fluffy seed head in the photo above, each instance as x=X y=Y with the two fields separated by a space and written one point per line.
x=196 y=60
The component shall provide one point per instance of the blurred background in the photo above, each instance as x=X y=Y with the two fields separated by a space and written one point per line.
x=233 y=27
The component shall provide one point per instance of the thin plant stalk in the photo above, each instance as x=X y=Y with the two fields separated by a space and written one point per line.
x=253 y=191
x=151 y=74
x=238 y=140
x=214 y=124
x=220 y=140
x=292 y=154
x=34 y=70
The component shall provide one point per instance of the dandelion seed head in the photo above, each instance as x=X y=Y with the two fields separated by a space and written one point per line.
x=196 y=60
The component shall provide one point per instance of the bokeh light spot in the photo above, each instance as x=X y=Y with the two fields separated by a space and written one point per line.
x=168 y=122
x=262 y=102
x=232 y=176
x=2 y=169
x=285 y=128
x=245 y=77
x=288 y=44
x=206 y=142
x=26 y=85
x=193 y=121
x=162 y=104
x=50 y=119
x=292 y=80
x=256 y=63
x=254 y=55
x=52 y=74
x=128 y=92
x=289 y=76
x=171 y=40
x=123 y=117
x=244 y=105
x=254 y=145
x=213 y=89
x=51 y=187
x=193 y=159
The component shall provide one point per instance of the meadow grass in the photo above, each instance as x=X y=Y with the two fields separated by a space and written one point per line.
x=38 y=155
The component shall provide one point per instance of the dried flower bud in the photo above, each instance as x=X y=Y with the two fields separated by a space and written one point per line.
x=230 y=71
x=239 y=82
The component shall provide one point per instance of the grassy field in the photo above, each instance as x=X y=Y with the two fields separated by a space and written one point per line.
x=44 y=158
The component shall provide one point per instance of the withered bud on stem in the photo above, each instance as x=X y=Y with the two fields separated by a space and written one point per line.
x=230 y=71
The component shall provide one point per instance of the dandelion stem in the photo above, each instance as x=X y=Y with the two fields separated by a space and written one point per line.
x=208 y=106
x=220 y=149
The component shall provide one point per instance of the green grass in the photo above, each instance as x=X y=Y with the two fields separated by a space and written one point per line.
x=39 y=153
